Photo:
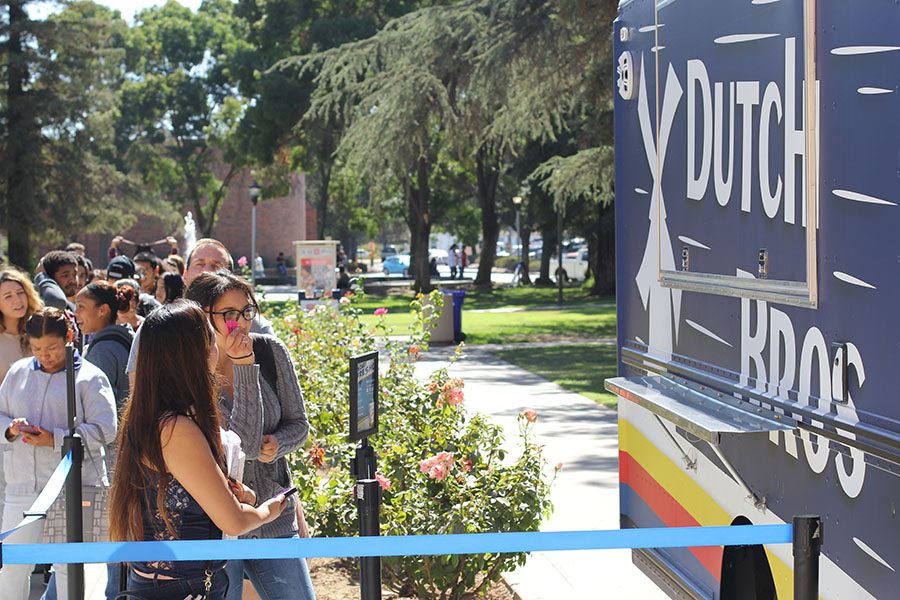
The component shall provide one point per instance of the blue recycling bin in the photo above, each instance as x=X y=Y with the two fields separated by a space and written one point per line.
x=458 y=297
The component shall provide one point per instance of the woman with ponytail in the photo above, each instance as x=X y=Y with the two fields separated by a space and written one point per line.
x=97 y=306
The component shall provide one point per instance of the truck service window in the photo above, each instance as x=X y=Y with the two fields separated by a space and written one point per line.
x=729 y=125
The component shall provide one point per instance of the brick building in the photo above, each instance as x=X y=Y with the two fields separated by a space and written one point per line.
x=279 y=222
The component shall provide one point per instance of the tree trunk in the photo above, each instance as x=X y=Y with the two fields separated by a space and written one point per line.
x=324 y=199
x=528 y=217
x=602 y=252
x=526 y=240
x=23 y=145
x=418 y=195
x=548 y=247
x=487 y=172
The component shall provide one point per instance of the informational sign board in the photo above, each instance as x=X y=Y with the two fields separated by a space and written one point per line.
x=316 y=263
x=363 y=396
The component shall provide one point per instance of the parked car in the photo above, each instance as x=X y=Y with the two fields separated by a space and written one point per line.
x=396 y=264
x=439 y=255
x=575 y=265
x=388 y=251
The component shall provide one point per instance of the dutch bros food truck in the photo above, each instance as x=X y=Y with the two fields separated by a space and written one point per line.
x=758 y=249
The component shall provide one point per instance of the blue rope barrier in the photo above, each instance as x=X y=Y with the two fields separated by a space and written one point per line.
x=413 y=545
x=46 y=498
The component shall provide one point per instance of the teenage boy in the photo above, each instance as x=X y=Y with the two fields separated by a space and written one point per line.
x=59 y=280
x=147 y=265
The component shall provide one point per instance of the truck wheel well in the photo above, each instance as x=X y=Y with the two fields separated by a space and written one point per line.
x=746 y=573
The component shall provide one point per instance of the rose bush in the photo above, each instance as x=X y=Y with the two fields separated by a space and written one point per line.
x=441 y=469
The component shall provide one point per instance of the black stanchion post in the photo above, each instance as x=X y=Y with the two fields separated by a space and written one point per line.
x=368 y=500
x=74 y=525
x=367 y=494
x=807 y=544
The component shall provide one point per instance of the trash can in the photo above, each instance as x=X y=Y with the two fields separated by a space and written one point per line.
x=458 y=297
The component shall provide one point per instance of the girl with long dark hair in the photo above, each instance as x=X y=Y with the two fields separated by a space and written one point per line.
x=169 y=481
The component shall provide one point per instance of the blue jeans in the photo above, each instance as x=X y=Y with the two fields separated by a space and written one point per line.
x=273 y=579
x=141 y=588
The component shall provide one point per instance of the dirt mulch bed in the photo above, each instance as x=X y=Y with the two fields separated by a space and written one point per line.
x=338 y=579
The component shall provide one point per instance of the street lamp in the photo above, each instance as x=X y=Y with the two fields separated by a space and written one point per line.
x=254 y=198
x=517 y=201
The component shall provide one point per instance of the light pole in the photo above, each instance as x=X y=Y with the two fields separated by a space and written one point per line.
x=254 y=198
x=517 y=201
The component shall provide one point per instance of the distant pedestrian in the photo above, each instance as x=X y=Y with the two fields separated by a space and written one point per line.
x=259 y=268
x=281 y=264
x=121 y=268
x=75 y=248
x=453 y=260
x=170 y=288
x=463 y=261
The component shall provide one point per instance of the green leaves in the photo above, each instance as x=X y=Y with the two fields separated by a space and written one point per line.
x=446 y=469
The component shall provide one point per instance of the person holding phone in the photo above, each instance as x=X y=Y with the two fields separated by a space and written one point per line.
x=261 y=400
x=33 y=417
x=170 y=481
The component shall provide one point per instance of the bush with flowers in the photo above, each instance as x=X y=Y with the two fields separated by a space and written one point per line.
x=441 y=469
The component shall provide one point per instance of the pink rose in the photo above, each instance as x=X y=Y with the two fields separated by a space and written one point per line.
x=530 y=414
x=242 y=261
x=344 y=300
x=380 y=311
x=383 y=481
x=438 y=466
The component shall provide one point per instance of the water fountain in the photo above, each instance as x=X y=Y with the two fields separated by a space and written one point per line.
x=190 y=233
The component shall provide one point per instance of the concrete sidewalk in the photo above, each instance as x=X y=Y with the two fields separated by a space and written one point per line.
x=583 y=436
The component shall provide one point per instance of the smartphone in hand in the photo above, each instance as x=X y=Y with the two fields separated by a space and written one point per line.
x=286 y=492
x=30 y=429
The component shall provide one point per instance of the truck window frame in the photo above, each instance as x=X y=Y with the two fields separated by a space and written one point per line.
x=797 y=293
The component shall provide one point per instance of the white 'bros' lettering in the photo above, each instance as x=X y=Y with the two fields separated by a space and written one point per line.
x=706 y=129
x=773 y=328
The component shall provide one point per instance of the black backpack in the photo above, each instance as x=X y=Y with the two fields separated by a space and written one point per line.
x=265 y=358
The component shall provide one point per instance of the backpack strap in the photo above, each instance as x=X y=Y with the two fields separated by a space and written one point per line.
x=265 y=358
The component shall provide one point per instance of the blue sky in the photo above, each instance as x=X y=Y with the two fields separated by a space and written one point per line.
x=126 y=7
x=129 y=7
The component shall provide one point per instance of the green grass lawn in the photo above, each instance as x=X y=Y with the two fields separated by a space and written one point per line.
x=497 y=298
x=579 y=368
x=581 y=317
x=584 y=318
x=577 y=322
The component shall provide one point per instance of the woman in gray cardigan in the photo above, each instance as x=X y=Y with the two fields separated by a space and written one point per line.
x=268 y=414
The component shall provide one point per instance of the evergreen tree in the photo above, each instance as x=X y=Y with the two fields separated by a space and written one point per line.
x=61 y=93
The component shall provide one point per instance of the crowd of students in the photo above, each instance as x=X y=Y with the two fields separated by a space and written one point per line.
x=186 y=402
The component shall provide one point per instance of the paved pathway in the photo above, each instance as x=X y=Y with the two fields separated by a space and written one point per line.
x=581 y=435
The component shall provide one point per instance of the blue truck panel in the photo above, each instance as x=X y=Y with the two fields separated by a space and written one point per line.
x=714 y=162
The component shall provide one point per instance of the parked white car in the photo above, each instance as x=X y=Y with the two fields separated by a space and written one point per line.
x=438 y=254
x=575 y=265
